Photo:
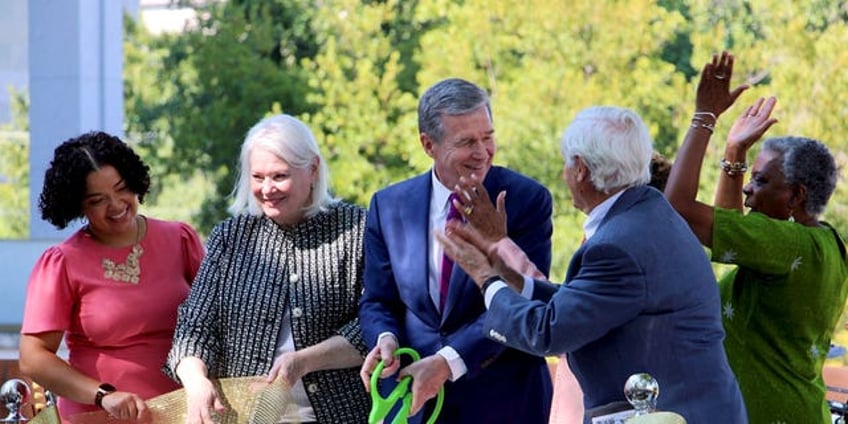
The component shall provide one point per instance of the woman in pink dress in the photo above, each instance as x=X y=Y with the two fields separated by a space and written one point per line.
x=111 y=290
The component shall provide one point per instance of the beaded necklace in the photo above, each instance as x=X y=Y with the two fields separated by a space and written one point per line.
x=130 y=270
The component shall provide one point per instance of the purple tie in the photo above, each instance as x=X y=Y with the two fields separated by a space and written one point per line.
x=447 y=263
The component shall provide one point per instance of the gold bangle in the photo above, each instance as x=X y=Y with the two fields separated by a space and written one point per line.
x=733 y=168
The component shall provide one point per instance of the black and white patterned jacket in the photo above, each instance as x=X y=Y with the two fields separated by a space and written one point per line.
x=254 y=270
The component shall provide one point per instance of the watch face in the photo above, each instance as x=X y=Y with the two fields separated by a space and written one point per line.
x=102 y=390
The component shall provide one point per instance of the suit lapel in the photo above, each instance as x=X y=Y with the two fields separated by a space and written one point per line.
x=415 y=212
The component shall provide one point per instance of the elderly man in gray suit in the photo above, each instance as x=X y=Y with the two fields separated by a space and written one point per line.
x=639 y=295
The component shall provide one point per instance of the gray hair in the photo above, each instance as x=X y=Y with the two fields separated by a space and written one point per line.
x=452 y=96
x=293 y=142
x=615 y=145
x=809 y=163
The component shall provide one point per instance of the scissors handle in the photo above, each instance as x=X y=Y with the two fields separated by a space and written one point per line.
x=380 y=406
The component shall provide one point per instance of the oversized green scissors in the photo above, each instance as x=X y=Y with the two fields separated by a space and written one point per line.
x=381 y=406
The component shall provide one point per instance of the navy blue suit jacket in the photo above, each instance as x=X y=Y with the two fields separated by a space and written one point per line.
x=639 y=296
x=501 y=384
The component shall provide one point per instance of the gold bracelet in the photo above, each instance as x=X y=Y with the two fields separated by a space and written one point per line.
x=733 y=169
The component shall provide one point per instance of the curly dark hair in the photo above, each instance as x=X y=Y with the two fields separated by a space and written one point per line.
x=64 y=181
x=660 y=170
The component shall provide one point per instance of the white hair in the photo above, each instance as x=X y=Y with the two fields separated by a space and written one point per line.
x=293 y=142
x=614 y=144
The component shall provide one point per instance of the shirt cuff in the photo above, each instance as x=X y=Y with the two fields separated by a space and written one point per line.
x=385 y=334
x=455 y=362
x=491 y=290
x=527 y=290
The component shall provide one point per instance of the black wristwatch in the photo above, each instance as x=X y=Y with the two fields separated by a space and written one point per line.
x=488 y=282
x=103 y=390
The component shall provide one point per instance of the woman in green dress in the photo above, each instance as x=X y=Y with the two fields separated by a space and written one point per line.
x=783 y=299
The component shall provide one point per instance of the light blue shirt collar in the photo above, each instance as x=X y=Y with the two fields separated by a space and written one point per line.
x=597 y=215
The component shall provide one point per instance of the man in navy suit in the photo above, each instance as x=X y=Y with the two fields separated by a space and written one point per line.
x=639 y=295
x=403 y=303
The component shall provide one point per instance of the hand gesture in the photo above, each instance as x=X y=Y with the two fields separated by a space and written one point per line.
x=714 y=95
x=460 y=244
x=751 y=125
x=126 y=406
x=428 y=376
x=474 y=202
x=288 y=367
x=201 y=400
x=385 y=350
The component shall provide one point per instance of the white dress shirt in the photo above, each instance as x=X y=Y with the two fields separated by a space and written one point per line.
x=439 y=195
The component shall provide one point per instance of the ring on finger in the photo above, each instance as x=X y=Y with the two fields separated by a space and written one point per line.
x=468 y=209
x=720 y=76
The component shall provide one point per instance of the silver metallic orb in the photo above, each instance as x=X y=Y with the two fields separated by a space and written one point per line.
x=642 y=390
x=15 y=393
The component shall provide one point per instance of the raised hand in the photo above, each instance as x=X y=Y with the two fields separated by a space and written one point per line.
x=461 y=244
x=475 y=204
x=751 y=125
x=714 y=95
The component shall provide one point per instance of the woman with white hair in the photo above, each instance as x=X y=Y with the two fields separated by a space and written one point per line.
x=278 y=291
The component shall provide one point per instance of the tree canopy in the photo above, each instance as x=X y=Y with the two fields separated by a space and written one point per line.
x=353 y=70
x=14 y=170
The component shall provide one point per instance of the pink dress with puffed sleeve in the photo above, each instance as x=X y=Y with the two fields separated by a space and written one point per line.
x=116 y=306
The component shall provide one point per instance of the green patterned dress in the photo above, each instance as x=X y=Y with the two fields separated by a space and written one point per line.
x=780 y=306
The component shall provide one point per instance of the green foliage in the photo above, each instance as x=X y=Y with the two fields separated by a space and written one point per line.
x=792 y=52
x=545 y=61
x=353 y=70
x=365 y=115
x=213 y=82
x=14 y=170
x=14 y=185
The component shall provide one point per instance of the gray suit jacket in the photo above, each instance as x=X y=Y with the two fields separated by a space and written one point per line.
x=639 y=296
